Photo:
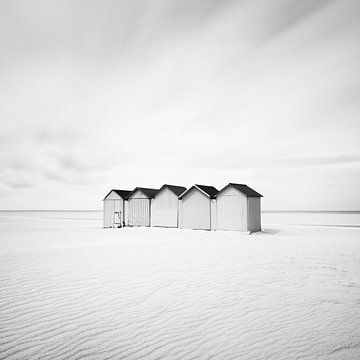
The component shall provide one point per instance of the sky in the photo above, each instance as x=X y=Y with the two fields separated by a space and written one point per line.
x=102 y=94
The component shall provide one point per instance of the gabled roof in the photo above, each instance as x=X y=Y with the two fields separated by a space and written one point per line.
x=148 y=192
x=177 y=190
x=122 y=193
x=210 y=191
x=246 y=190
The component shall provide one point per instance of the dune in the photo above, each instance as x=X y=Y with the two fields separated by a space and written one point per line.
x=73 y=290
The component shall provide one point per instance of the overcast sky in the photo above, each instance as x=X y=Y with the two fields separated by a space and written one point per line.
x=105 y=94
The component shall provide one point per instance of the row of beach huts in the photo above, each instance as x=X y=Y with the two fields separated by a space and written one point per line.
x=236 y=207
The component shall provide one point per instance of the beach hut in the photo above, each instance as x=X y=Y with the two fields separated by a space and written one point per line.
x=115 y=205
x=165 y=206
x=139 y=206
x=197 y=208
x=238 y=208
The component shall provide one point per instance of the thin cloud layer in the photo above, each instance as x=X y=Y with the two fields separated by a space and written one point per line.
x=100 y=94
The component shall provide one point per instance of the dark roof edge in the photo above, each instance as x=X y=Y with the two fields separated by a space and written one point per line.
x=122 y=193
x=147 y=191
x=211 y=195
x=177 y=190
x=208 y=189
x=244 y=189
x=186 y=191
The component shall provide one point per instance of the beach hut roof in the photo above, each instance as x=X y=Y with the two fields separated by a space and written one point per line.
x=210 y=191
x=147 y=191
x=246 y=190
x=177 y=190
x=122 y=193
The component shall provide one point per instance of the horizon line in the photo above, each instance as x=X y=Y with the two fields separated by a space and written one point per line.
x=263 y=211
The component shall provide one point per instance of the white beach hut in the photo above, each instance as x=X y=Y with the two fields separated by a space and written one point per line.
x=139 y=206
x=115 y=206
x=238 y=208
x=197 y=208
x=165 y=206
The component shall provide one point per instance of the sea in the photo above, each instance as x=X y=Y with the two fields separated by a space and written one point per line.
x=312 y=218
x=284 y=217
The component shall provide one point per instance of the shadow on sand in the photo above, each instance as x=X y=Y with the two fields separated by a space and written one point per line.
x=270 y=231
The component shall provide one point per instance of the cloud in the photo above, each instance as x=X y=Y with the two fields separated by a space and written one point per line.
x=308 y=161
x=291 y=13
x=68 y=162
x=236 y=161
x=18 y=184
x=319 y=160
x=63 y=136
x=120 y=93
x=16 y=180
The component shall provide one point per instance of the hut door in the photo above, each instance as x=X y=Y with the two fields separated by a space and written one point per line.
x=231 y=213
x=196 y=211
x=108 y=213
x=118 y=220
x=139 y=212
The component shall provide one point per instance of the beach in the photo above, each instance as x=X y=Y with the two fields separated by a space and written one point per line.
x=73 y=290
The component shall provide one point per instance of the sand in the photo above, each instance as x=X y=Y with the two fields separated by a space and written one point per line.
x=72 y=290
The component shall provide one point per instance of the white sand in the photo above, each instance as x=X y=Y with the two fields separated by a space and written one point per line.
x=72 y=290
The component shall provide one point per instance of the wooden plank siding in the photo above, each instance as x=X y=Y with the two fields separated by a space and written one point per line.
x=164 y=209
x=195 y=211
x=254 y=214
x=232 y=210
x=113 y=213
x=139 y=209
x=139 y=212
